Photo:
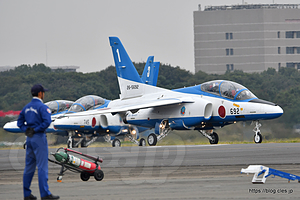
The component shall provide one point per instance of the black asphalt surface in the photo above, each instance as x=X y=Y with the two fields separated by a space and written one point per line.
x=167 y=172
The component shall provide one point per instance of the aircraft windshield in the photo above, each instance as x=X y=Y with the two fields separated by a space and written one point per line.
x=227 y=89
x=59 y=105
x=87 y=103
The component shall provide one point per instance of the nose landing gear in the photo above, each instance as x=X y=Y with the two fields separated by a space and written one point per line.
x=257 y=137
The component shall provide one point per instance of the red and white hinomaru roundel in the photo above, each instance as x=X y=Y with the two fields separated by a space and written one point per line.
x=94 y=121
x=222 y=111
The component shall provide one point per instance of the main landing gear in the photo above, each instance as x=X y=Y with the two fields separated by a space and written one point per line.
x=164 y=129
x=212 y=137
x=257 y=137
x=82 y=141
x=117 y=143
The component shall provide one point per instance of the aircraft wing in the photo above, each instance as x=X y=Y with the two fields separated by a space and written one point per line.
x=136 y=106
x=152 y=104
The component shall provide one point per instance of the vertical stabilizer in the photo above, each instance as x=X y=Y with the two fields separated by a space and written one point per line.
x=129 y=80
x=150 y=73
x=124 y=66
x=155 y=72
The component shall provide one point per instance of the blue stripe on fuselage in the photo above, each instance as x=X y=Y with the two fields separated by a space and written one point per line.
x=214 y=119
x=114 y=129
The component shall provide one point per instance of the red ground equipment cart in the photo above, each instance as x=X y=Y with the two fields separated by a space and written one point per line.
x=84 y=167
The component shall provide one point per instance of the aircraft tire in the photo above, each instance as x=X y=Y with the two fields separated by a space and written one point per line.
x=116 y=143
x=98 y=175
x=215 y=138
x=257 y=138
x=152 y=139
x=142 y=142
x=85 y=176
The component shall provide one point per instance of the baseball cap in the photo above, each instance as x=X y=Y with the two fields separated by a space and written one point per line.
x=38 y=88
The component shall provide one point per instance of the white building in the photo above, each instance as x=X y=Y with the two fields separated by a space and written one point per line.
x=251 y=38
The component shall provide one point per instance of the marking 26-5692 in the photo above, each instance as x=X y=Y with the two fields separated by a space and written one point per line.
x=132 y=87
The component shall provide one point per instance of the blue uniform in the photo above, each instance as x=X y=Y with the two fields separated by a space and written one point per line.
x=38 y=116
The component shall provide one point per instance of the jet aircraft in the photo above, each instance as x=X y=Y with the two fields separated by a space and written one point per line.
x=57 y=107
x=203 y=107
x=92 y=102
x=112 y=125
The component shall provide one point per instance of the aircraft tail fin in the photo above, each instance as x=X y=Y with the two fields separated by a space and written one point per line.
x=124 y=66
x=150 y=73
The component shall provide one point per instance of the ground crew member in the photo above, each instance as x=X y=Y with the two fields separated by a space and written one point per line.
x=34 y=119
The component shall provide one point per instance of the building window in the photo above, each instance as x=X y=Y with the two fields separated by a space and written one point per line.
x=229 y=52
x=289 y=34
x=229 y=36
x=278 y=34
x=298 y=65
x=278 y=50
x=229 y=67
x=289 y=50
x=298 y=34
x=298 y=50
x=291 y=65
x=279 y=65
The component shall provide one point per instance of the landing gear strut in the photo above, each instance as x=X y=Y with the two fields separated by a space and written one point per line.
x=142 y=141
x=257 y=137
x=70 y=139
x=213 y=137
x=164 y=129
x=115 y=143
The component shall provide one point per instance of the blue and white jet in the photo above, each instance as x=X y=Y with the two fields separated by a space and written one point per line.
x=92 y=102
x=109 y=125
x=57 y=107
x=203 y=107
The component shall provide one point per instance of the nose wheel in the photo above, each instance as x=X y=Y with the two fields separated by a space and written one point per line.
x=257 y=136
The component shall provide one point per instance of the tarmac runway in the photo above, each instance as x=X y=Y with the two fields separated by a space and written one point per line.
x=167 y=172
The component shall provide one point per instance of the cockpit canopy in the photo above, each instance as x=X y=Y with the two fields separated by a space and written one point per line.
x=227 y=89
x=59 y=105
x=87 y=103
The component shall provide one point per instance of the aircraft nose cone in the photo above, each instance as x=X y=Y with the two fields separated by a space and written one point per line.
x=6 y=126
x=275 y=110
x=279 y=110
x=271 y=109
